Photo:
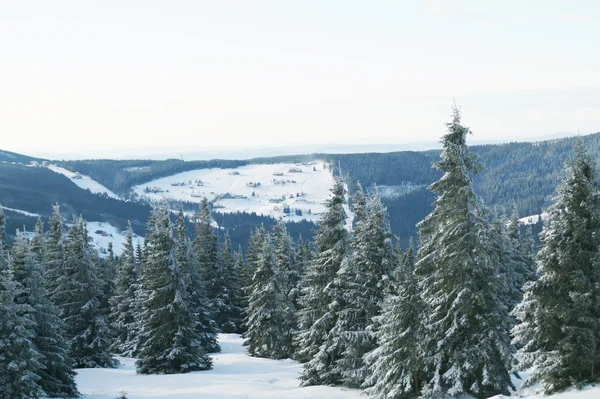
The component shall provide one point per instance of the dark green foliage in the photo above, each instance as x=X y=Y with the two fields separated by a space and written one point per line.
x=559 y=316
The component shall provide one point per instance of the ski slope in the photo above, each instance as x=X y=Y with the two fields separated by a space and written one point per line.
x=84 y=182
x=268 y=190
x=235 y=376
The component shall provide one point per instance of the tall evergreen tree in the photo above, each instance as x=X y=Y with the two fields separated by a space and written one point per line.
x=231 y=319
x=206 y=250
x=57 y=374
x=467 y=349
x=396 y=365
x=20 y=361
x=241 y=302
x=363 y=282
x=122 y=303
x=80 y=298
x=559 y=316
x=269 y=334
x=171 y=343
x=321 y=297
x=55 y=256
x=3 y=242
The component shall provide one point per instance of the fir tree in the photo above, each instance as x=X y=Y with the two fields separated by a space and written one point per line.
x=466 y=348
x=363 y=282
x=171 y=343
x=241 y=303
x=3 y=242
x=559 y=316
x=55 y=256
x=396 y=365
x=268 y=334
x=123 y=302
x=57 y=374
x=20 y=361
x=80 y=297
x=320 y=297
x=231 y=319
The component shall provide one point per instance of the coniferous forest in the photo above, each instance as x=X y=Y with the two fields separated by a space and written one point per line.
x=469 y=304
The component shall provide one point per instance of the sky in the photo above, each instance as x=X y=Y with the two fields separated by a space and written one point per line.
x=85 y=77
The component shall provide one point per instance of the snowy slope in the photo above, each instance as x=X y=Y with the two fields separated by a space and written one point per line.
x=533 y=219
x=20 y=211
x=274 y=186
x=83 y=181
x=103 y=233
x=235 y=375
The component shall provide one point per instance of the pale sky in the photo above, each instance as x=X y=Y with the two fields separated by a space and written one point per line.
x=94 y=75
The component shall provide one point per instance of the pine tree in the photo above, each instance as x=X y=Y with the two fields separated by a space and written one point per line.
x=320 y=297
x=241 y=303
x=396 y=365
x=80 y=297
x=559 y=316
x=231 y=319
x=269 y=310
x=171 y=343
x=205 y=326
x=20 y=361
x=3 y=242
x=123 y=302
x=211 y=272
x=57 y=374
x=55 y=256
x=363 y=282
x=467 y=349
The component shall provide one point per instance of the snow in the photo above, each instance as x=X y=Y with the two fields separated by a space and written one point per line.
x=21 y=211
x=303 y=191
x=102 y=233
x=535 y=392
x=235 y=375
x=533 y=219
x=84 y=182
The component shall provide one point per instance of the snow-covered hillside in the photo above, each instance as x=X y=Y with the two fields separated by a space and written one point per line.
x=235 y=375
x=103 y=233
x=292 y=191
x=83 y=181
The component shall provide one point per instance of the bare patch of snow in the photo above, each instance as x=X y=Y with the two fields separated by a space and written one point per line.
x=103 y=233
x=21 y=212
x=84 y=182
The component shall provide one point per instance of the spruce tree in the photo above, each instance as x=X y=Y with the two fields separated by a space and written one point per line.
x=396 y=365
x=20 y=361
x=363 y=282
x=80 y=298
x=320 y=299
x=559 y=316
x=211 y=271
x=231 y=319
x=466 y=348
x=269 y=334
x=171 y=343
x=123 y=301
x=239 y=267
x=57 y=374
x=55 y=256
x=3 y=242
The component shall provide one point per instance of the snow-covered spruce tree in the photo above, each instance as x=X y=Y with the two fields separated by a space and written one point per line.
x=206 y=250
x=231 y=321
x=321 y=298
x=55 y=256
x=108 y=274
x=466 y=347
x=269 y=334
x=239 y=266
x=396 y=365
x=523 y=249
x=171 y=343
x=204 y=324
x=255 y=246
x=559 y=316
x=3 y=242
x=363 y=282
x=57 y=377
x=79 y=298
x=122 y=303
x=303 y=260
x=20 y=361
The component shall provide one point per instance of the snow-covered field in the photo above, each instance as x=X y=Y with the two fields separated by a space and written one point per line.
x=102 y=233
x=20 y=211
x=83 y=181
x=235 y=375
x=264 y=189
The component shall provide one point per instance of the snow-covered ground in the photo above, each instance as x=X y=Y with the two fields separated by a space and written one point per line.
x=275 y=187
x=235 y=375
x=533 y=219
x=83 y=181
x=102 y=233
x=20 y=211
